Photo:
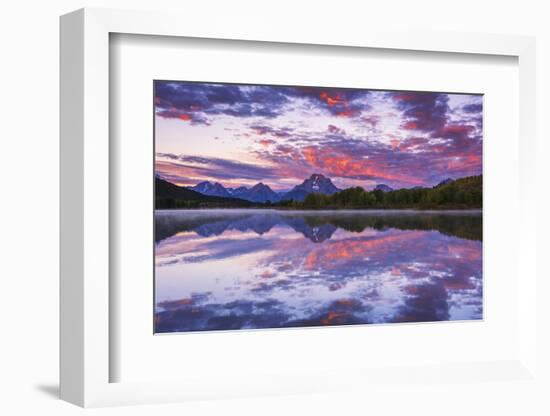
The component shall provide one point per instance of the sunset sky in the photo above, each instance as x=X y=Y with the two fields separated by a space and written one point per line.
x=244 y=134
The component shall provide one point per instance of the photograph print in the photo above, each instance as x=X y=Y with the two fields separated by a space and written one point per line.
x=306 y=206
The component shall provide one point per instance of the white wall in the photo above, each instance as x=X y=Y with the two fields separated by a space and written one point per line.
x=29 y=163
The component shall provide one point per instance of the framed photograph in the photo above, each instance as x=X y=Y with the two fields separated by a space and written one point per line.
x=281 y=213
x=298 y=206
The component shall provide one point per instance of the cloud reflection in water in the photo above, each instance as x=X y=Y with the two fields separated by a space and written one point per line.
x=235 y=269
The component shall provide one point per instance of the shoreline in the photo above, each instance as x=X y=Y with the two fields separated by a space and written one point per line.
x=332 y=210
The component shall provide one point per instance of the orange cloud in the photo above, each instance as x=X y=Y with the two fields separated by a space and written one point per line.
x=456 y=130
x=345 y=113
x=332 y=100
x=345 y=302
x=343 y=109
x=338 y=164
x=266 y=142
x=334 y=318
x=404 y=97
x=174 y=304
x=335 y=254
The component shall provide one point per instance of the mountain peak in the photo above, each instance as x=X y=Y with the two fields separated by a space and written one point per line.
x=317 y=176
x=262 y=193
x=316 y=183
x=383 y=187
x=211 y=189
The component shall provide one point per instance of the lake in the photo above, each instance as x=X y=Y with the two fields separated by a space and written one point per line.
x=249 y=269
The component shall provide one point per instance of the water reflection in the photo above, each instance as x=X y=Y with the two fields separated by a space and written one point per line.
x=235 y=269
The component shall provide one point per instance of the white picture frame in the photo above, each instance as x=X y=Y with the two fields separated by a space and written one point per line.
x=85 y=355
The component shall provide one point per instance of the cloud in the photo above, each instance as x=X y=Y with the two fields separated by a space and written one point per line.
x=198 y=102
x=185 y=167
x=339 y=155
x=414 y=160
x=268 y=130
x=426 y=303
x=356 y=137
x=266 y=142
x=194 y=118
x=335 y=130
x=424 y=111
x=340 y=102
x=473 y=108
x=213 y=316
x=430 y=113
x=371 y=120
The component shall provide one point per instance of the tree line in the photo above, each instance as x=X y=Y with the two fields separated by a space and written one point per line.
x=459 y=194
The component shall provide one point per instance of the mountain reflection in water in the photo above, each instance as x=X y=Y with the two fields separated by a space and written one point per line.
x=237 y=269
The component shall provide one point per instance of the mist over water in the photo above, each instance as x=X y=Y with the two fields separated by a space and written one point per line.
x=247 y=269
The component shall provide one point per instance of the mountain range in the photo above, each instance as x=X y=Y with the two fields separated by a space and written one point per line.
x=167 y=191
x=210 y=189
x=451 y=193
x=262 y=193
x=458 y=193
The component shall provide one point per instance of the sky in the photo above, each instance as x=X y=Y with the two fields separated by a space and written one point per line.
x=239 y=135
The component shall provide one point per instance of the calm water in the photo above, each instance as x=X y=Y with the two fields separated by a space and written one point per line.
x=239 y=269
